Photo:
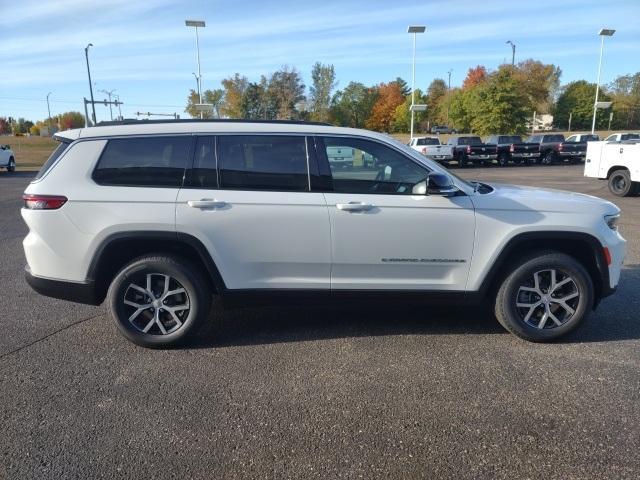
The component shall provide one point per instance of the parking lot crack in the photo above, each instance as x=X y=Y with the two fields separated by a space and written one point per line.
x=73 y=324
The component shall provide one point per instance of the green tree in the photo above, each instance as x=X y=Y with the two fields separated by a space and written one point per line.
x=68 y=120
x=256 y=103
x=499 y=104
x=286 y=89
x=540 y=82
x=402 y=116
x=323 y=82
x=352 y=106
x=214 y=97
x=234 y=88
x=576 y=98
x=436 y=93
x=402 y=85
x=625 y=93
x=460 y=109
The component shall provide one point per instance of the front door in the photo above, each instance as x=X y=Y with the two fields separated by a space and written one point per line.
x=385 y=237
x=255 y=212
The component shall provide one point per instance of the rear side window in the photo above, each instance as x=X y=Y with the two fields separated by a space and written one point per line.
x=59 y=150
x=263 y=162
x=143 y=162
x=553 y=138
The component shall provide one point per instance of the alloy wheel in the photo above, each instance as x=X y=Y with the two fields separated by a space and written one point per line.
x=156 y=304
x=549 y=299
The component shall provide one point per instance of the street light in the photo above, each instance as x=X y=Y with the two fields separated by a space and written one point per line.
x=109 y=93
x=197 y=24
x=49 y=112
x=414 y=29
x=449 y=96
x=513 y=52
x=93 y=105
x=604 y=32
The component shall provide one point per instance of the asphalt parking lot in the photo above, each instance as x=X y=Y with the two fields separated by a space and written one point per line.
x=320 y=392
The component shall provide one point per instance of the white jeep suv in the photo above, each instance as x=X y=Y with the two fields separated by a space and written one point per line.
x=157 y=217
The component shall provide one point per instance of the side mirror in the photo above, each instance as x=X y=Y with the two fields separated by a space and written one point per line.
x=440 y=184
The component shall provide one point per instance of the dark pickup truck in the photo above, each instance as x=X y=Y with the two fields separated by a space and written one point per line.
x=470 y=149
x=511 y=148
x=553 y=148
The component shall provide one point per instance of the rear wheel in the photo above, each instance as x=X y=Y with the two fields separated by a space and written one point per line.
x=12 y=165
x=546 y=296
x=159 y=301
x=461 y=160
x=503 y=160
x=548 y=158
x=620 y=184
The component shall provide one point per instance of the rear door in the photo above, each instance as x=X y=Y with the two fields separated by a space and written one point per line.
x=248 y=199
x=383 y=236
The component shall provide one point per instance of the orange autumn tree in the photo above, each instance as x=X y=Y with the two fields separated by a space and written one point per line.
x=383 y=111
x=475 y=76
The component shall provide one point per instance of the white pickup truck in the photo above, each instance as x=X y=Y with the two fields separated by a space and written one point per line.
x=615 y=161
x=7 y=158
x=621 y=137
x=432 y=148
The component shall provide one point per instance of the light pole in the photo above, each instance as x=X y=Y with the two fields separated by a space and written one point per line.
x=197 y=24
x=604 y=32
x=513 y=52
x=93 y=105
x=119 y=109
x=109 y=93
x=414 y=29
x=449 y=95
x=49 y=112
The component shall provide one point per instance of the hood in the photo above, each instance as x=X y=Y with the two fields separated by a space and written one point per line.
x=516 y=197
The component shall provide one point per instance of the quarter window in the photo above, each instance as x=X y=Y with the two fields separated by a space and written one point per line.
x=263 y=162
x=143 y=161
x=362 y=166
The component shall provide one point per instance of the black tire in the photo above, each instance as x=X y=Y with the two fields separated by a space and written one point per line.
x=620 y=183
x=12 y=165
x=183 y=275
x=503 y=160
x=548 y=158
x=461 y=161
x=514 y=318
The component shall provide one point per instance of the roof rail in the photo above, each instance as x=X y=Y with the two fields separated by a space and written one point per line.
x=133 y=121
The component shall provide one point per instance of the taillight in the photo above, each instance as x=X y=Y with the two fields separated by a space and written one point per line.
x=468 y=148
x=424 y=150
x=559 y=147
x=512 y=148
x=43 y=202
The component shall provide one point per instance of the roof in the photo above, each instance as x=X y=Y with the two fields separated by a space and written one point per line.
x=197 y=126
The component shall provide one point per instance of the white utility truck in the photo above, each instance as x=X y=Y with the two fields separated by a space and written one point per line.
x=618 y=162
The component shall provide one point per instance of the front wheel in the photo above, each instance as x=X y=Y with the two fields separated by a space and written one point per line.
x=159 y=301
x=546 y=296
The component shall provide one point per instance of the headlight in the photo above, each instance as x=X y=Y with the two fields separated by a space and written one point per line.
x=612 y=221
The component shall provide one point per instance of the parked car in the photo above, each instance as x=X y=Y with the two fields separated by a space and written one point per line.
x=583 y=138
x=553 y=148
x=471 y=149
x=159 y=217
x=341 y=157
x=7 y=158
x=442 y=129
x=511 y=148
x=432 y=148
x=616 y=162
x=621 y=137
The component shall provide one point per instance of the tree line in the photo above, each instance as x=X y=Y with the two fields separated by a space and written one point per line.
x=488 y=101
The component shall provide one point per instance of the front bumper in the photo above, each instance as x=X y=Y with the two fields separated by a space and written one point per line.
x=63 y=290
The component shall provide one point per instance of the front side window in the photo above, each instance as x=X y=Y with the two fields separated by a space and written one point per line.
x=143 y=161
x=363 y=166
x=263 y=162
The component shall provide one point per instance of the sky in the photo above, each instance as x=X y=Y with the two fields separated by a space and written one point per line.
x=143 y=50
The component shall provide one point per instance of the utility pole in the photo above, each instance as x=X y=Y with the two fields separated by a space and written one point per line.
x=449 y=95
x=119 y=109
x=109 y=93
x=93 y=106
x=513 y=52
x=49 y=112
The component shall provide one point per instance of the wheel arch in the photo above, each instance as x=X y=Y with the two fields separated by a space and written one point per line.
x=118 y=249
x=584 y=247
x=615 y=168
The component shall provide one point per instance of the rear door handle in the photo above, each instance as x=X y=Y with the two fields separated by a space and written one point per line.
x=206 y=203
x=355 y=206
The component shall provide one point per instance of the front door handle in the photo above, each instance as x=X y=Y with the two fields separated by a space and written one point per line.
x=355 y=206
x=206 y=203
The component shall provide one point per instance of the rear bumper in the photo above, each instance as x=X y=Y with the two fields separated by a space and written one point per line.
x=524 y=155
x=491 y=156
x=572 y=154
x=63 y=290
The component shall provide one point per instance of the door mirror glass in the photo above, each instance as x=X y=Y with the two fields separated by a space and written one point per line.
x=440 y=184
